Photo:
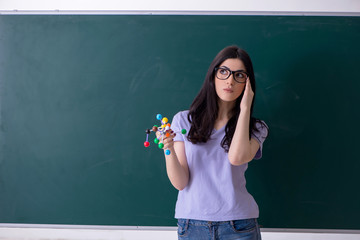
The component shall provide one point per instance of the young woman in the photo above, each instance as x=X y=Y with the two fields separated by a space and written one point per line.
x=208 y=165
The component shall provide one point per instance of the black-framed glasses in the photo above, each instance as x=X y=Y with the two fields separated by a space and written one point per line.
x=224 y=73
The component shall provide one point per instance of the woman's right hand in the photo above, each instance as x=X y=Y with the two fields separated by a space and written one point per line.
x=176 y=163
x=167 y=141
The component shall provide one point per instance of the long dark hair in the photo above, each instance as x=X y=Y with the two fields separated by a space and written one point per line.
x=204 y=109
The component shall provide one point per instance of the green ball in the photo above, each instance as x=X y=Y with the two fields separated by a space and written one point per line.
x=161 y=145
x=183 y=131
x=156 y=141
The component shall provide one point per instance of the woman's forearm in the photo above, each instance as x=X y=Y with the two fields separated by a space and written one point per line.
x=177 y=169
x=240 y=148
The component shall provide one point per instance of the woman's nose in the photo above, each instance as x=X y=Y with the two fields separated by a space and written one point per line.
x=230 y=79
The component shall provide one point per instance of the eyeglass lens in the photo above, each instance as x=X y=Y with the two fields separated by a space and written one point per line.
x=223 y=74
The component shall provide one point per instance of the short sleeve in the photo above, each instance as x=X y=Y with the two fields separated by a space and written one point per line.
x=178 y=123
x=260 y=136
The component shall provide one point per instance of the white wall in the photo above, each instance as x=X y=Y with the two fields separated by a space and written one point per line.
x=326 y=6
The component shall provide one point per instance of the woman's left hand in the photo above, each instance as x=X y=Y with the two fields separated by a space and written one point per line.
x=247 y=97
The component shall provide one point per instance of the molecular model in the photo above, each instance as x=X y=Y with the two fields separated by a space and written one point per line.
x=164 y=131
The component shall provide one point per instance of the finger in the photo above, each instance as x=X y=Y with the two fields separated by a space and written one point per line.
x=168 y=139
x=246 y=90
x=169 y=136
x=169 y=133
x=163 y=135
x=168 y=143
x=248 y=83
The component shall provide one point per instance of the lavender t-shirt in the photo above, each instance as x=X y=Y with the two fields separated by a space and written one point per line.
x=216 y=190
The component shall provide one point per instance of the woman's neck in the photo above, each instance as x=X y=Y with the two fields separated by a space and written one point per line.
x=224 y=114
x=225 y=110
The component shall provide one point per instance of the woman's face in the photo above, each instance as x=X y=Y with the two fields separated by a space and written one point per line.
x=229 y=90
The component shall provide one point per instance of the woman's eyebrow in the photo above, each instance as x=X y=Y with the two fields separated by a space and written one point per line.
x=240 y=70
x=224 y=67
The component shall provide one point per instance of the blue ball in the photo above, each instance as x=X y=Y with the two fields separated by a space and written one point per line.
x=158 y=117
x=167 y=152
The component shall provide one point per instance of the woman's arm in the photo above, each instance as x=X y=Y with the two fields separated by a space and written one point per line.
x=176 y=164
x=242 y=150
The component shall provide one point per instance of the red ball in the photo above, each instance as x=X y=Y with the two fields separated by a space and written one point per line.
x=146 y=144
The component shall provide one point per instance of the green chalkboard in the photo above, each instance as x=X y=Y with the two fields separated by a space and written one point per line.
x=77 y=93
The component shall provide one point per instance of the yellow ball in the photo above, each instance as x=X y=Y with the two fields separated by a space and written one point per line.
x=165 y=120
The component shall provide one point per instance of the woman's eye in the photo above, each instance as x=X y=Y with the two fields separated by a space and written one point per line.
x=240 y=75
x=224 y=72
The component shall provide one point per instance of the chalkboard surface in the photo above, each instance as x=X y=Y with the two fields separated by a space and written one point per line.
x=77 y=93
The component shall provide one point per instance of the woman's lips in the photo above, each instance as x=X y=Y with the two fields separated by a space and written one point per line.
x=228 y=90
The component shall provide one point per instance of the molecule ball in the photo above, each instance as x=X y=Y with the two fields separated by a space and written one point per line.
x=167 y=152
x=156 y=141
x=183 y=131
x=165 y=120
x=159 y=117
x=161 y=145
x=154 y=128
x=146 y=144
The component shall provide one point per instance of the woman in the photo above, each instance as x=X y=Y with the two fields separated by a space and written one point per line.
x=208 y=165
